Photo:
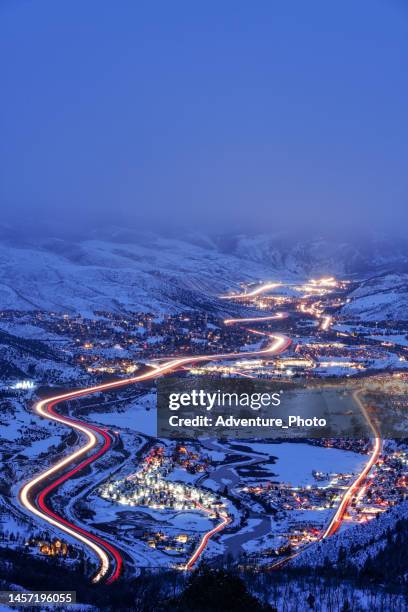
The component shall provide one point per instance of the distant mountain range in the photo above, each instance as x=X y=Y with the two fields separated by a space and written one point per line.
x=122 y=269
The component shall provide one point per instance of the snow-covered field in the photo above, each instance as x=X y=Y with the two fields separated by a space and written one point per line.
x=296 y=461
x=135 y=417
x=141 y=420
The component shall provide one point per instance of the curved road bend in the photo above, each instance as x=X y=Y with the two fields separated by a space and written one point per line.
x=36 y=502
x=359 y=481
x=225 y=519
x=278 y=315
x=257 y=291
x=357 y=484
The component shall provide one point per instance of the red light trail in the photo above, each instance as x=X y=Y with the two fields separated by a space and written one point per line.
x=36 y=502
x=110 y=559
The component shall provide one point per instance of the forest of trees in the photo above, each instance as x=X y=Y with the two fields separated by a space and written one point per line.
x=222 y=589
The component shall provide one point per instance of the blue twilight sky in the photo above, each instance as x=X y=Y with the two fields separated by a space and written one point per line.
x=226 y=115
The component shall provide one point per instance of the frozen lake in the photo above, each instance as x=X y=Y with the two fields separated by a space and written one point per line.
x=296 y=461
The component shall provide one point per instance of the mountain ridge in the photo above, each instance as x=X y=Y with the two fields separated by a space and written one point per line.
x=153 y=272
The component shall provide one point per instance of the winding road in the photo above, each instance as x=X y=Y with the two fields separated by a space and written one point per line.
x=356 y=485
x=359 y=482
x=33 y=495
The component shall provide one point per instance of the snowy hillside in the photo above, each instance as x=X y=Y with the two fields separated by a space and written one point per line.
x=379 y=298
x=97 y=275
x=314 y=255
x=127 y=270
x=360 y=541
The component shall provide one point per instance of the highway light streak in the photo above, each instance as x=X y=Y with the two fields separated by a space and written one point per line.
x=278 y=315
x=45 y=408
x=258 y=291
x=225 y=519
x=360 y=480
x=352 y=490
x=98 y=440
x=36 y=502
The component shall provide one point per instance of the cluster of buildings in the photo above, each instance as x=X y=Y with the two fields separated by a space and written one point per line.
x=50 y=548
x=282 y=498
x=117 y=344
x=302 y=534
x=159 y=540
x=120 y=343
x=150 y=486
x=386 y=487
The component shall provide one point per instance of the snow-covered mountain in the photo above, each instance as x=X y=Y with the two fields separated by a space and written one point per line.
x=143 y=271
x=316 y=255
x=98 y=275
x=379 y=298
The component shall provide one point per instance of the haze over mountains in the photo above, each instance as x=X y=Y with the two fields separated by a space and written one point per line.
x=121 y=269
